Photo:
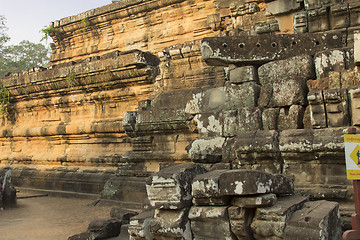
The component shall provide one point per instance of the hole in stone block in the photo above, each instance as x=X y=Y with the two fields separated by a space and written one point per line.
x=273 y=44
x=241 y=45
x=317 y=43
x=258 y=45
x=224 y=45
x=293 y=43
x=307 y=219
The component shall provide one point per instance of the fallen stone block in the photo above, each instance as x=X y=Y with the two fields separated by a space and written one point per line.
x=316 y=220
x=81 y=236
x=122 y=214
x=249 y=182
x=124 y=232
x=240 y=222
x=170 y=188
x=210 y=223
x=263 y=200
x=205 y=189
x=270 y=222
x=139 y=226
x=171 y=224
x=104 y=228
x=7 y=191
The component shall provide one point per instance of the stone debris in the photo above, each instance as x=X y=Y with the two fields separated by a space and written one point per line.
x=250 y=182
x=105 y=228
x=170 y=188
x=171 y=224
x=139 y=226
x=316 y=220
x=230 y=204
x=261 y=200
x=270 y=222
x=207 y=222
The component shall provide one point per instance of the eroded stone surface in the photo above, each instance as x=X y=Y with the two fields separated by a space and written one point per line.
x=316 y=220
x=139 y=226
x=170 y=188
x=246 y=182
x=171 y=224
x=270 y=222
x=210 y=223
x=264 y=200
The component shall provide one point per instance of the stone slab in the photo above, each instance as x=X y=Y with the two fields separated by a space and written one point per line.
x=271 y=221
x=259 y=49
x=210 y=223
x=316 y=220
x=171 y=224
x=170 y=188
x=263 y=200
x=247 y=182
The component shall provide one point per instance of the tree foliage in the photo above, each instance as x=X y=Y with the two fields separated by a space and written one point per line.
x=20 y=57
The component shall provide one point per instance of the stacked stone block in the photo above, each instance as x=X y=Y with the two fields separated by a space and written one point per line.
x=230 y=204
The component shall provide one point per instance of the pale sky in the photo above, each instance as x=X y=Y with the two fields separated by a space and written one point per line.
x=25 y=18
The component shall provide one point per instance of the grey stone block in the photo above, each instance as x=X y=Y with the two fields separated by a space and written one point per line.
x=270 y=118
x=282 y=6
x=170 y=188
x=240 y=222
x=139 y=226
x=299 y=68
x=262 y=200
x=205 y=189
x=355 y=106
x=122 y=214
x=243 y=74
x=291 y=118
x=339 y=16
x=171 y=224
x=317 y=109
x=270 y=222
x=210 y=223
x=206 y=150
x=316 y=220
x=254 y=150
x=330 y=60
x=242 y=95
x=337 y=107
x=318 y=20
x=248 y=182
x=249 y=119
x=104 y=228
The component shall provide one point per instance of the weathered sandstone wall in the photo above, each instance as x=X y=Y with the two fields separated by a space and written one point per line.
x=136 y=85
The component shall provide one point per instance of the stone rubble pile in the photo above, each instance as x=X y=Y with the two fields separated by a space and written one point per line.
x=193 y=203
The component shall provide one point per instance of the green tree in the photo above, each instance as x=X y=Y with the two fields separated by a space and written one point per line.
x=17 y=58
x=25 y=55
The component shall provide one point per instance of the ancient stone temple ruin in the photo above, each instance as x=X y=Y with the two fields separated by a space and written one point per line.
x=258 y=88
